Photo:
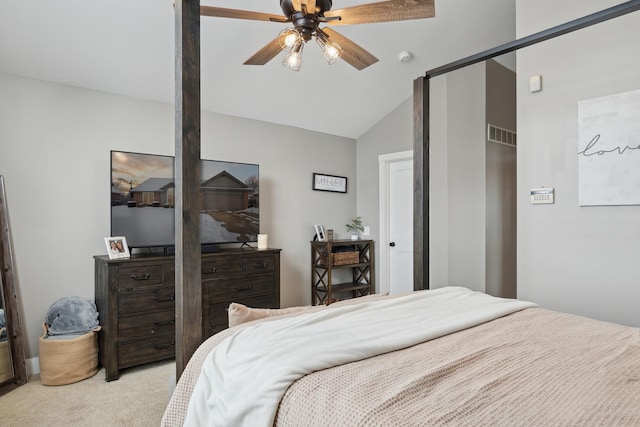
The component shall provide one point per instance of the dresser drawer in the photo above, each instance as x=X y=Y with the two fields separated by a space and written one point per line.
x=241 y=288
x=169 y=274
x=144 y=275
x=222 y=267
x=147 y=299
x=146 y=325
x=137 y=352
x=219 y=317
x=260 y=264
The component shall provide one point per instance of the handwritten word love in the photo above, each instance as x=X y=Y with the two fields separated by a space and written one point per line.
x=594 y=151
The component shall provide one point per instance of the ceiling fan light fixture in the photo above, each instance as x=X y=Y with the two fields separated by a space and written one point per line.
x=288 y=38
x=293 y=59
x=332 y=51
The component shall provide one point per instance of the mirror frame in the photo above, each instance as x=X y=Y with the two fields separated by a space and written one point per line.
x=11 y=305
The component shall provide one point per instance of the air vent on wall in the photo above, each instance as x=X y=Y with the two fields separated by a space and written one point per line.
x=500 y=135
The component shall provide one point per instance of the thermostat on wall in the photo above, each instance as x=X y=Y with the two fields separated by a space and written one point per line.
x=541 y=196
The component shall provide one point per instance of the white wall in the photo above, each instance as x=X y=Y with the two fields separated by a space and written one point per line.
x=55 y=142
x=576 y=259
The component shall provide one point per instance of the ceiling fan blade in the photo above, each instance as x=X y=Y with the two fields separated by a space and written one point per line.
x=353 y=54
x=266 y=54
x=297 y=5
x=385 y=11
x=221 y=12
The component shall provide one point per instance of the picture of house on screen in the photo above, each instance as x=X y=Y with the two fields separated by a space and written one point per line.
x=143 y=200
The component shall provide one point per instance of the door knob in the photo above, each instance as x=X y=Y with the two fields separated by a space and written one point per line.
x=392 y=244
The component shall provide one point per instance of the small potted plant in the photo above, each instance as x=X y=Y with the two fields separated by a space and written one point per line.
x=355 y=227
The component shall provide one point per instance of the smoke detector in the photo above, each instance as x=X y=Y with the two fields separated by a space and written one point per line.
x=405 y=56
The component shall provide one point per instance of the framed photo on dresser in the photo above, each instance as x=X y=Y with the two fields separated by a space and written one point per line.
x=117 y=247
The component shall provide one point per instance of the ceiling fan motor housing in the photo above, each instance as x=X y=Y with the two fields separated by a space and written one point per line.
x=306 y=24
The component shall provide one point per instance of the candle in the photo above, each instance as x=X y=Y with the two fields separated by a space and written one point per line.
x=262 y=241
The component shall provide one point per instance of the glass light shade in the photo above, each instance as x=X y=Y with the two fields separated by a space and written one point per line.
x=293 y=59
x=331 y=51
x=288 y=38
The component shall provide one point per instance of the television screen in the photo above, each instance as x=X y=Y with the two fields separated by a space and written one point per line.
x=143 y=205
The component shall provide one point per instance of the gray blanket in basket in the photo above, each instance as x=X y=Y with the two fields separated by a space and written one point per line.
x=72 y=316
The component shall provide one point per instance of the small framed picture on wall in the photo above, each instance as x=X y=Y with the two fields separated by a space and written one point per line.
x=320 y=233
x=117 y=247
x=332 y=183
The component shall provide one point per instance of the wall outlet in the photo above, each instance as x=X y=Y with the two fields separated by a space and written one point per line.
x=366 y=231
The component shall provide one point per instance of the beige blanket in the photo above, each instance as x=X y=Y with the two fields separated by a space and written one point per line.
x=533 y=367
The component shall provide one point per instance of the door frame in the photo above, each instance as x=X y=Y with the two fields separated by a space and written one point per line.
x=384 y=163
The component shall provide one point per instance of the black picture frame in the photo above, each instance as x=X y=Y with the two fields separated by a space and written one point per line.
x=331 y=183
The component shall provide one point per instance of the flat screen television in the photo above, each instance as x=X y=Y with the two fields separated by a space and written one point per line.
x=143 y=201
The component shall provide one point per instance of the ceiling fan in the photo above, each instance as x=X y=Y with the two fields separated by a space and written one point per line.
x=306 y=17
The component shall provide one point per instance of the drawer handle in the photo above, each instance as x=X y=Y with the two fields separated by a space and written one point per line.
x=169 y=322
x=248 y=288
x=261 y=265
x=158 y=299
x=145 y=276
x=163 y=347
x=210 y=270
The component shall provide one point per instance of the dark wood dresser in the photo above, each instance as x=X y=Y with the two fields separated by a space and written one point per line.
x=136 y=300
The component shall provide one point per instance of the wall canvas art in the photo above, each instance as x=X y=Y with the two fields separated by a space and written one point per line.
x=609 y=150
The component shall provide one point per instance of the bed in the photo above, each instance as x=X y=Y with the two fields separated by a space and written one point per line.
x=481 y=361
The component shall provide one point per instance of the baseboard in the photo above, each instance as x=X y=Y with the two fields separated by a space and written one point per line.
x=33 y=366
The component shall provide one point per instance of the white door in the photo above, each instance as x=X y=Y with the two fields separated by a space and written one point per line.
x=396 y=222
x=401 y=227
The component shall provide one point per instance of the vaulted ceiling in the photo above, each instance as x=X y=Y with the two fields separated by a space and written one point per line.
x=127 y=47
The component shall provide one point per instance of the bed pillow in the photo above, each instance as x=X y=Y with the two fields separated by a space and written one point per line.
x=240 y=313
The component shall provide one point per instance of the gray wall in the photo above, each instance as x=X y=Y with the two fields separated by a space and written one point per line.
x=55 y=143
x=457 y=178
x=466 y=93
x=472 y=181
x=570 y=258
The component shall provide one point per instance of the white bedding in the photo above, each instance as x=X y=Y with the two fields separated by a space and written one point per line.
x=244 y=378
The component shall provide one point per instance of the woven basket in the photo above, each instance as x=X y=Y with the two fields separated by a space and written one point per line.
x=343 y=258
x=68 y=361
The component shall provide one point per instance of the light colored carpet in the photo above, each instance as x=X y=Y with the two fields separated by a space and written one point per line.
x=138 y=398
